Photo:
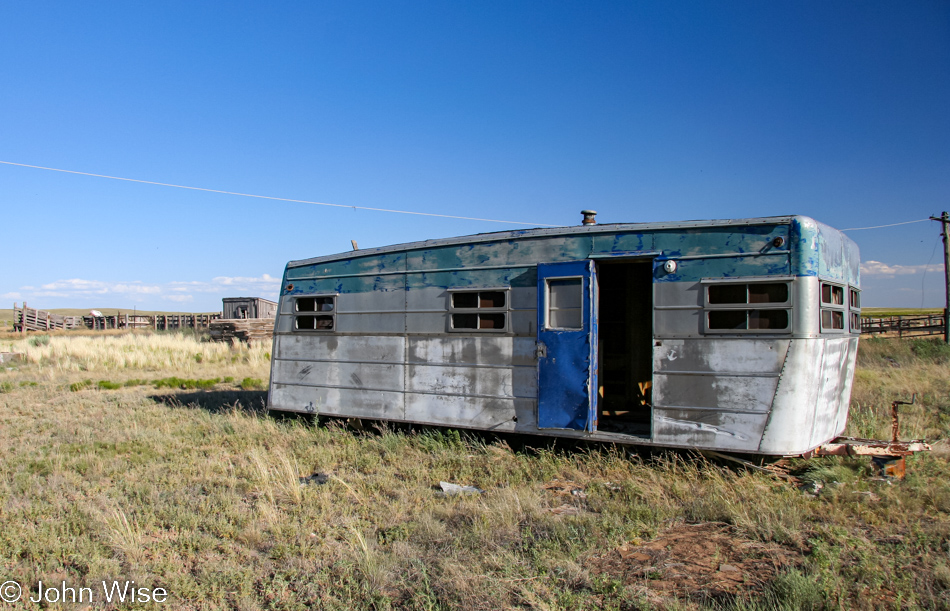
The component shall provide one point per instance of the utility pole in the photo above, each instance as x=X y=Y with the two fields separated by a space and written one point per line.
x=945 y=221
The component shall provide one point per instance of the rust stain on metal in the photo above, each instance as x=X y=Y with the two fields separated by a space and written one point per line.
x=850 y=446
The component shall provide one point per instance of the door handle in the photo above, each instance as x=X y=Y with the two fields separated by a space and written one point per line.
x=542 y=350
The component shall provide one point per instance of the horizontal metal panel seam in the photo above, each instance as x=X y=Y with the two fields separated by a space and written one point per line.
x=437 y=270
x=726 y=410
x=440 y=311
x=402 y=392
x=729 y=255
x=424 y=363
x=731 y=374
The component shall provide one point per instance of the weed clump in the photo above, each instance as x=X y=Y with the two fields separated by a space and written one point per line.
x=186 y=384
x=6 y=387
x=77 y=386
x=252 y=384
x=39 y=340
x=107 y=385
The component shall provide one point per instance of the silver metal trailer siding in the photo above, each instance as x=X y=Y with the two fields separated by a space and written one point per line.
x=393 y=356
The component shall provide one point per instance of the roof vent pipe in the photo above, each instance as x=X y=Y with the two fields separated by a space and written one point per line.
x=589 y=217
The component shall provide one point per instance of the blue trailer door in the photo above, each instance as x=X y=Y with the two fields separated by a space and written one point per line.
x=567 y=346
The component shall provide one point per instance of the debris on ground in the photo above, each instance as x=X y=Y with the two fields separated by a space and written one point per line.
x=565 y=488
x=812 y=488
x=317 y=478
x=450 y=489
x=707 y=560
x=565 y=510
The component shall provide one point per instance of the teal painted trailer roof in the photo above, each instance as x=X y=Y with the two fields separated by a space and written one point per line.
x=555 y=231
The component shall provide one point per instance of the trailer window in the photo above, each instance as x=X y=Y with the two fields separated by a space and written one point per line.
x=771 y=292
x=565 y=303
x=750 y=320
x=854 y=301
x=727 y=307
x=315 y=313
x=833 y=314
x=831 y=294
x=478 y=311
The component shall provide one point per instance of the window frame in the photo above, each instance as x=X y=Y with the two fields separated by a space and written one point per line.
x=827 y=306
x=547 y=303
x=855 y=310
x=787 y=305
x=452 y=310
x=332 y=314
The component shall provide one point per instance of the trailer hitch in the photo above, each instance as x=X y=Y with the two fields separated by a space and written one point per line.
x=886 y=456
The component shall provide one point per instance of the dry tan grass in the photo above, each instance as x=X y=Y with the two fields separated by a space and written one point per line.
x=203 y=498
x=131 y=354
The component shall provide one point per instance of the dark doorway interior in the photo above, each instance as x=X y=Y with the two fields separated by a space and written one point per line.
x=625 y=339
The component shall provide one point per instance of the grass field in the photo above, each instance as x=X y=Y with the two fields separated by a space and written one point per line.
x=884 y=312
x=150 y=458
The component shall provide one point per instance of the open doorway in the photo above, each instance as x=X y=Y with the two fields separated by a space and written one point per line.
x=625 y=346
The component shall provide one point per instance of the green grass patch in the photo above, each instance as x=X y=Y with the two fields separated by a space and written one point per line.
x=77 y=386
x=39 y=340
x=186 y=383
x=886 y=312
x=107 y=385
x=252 y=384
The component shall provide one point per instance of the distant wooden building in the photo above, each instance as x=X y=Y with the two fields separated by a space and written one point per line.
x=247 y=307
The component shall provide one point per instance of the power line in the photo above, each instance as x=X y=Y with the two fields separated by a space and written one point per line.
x=280 y=199
x=882 y=226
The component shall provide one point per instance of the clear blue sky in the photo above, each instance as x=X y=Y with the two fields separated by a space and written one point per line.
x=523 y=111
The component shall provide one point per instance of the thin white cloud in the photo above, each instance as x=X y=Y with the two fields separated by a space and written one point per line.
x=79 y=286
x=137 y=291
x=50 y=294
x=876 y=268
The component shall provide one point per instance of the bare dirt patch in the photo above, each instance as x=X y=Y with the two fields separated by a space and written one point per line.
x=696 y=561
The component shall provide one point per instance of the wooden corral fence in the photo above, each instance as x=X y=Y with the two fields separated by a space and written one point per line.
x=28 y=319
x=248 y=330
x=899 y=327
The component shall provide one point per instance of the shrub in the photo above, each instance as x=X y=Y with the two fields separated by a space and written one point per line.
x=107 y=385
x=5 y=387
x=39 y=340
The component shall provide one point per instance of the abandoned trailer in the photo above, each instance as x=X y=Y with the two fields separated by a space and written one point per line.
x=736 y=335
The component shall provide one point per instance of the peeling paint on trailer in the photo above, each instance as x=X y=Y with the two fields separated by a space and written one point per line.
x=393 y=352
